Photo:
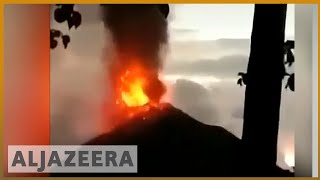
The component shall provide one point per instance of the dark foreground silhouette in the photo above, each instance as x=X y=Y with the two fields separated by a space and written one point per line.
x=173 y=144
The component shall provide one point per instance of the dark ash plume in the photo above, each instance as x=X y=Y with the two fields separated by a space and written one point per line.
x=139 y=32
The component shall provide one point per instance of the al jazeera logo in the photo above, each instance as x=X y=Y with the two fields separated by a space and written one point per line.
x=72 y=159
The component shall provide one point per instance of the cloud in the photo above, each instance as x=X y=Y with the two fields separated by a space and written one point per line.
x=77 y=91
x=91 y=14
x=222 y=104
x=183 y=30
x=93 y=45
x=195 y=100
x=241 y=44
x=182 y=47
x=225 y=67
x=181 y=34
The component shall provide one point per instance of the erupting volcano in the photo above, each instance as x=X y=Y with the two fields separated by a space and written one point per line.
x=139 y=34
x=137 y=87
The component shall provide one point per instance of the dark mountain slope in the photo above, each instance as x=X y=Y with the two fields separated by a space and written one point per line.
x=171 y=144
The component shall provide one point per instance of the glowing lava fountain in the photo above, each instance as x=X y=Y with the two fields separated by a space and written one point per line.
x=139 y=35
x=132 y=90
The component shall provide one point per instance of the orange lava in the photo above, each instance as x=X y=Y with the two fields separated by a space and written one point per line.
x=132 y=89
x=135 y=89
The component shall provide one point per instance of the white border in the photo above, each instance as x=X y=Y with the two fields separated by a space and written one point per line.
x=315 y=93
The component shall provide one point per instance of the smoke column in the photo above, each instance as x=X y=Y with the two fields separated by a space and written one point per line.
x=139 y=34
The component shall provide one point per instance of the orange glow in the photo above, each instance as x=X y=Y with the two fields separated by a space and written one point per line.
x=132 y=92
x=137 y=88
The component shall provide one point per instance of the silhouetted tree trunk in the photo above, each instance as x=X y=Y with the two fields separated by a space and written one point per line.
x=263 y=90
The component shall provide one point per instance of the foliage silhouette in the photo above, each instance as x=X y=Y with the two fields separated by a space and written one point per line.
x=53 y=35
x=243 y=78
x=290 y=82
x=288 y=47
x=64 y=13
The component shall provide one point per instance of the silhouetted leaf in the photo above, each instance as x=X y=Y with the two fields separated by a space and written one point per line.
x=241 y=73
x=65 y=40
x=60 y=15
x=68 y=8
x=64 y=12
x=243 y=77
x=289 y=44
x=55 y=33
x=290 y=82
x=76 y=18
x=53 y=43
x=285 y=74
x=239 y=81
x=290 y=58
x=70 y=22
